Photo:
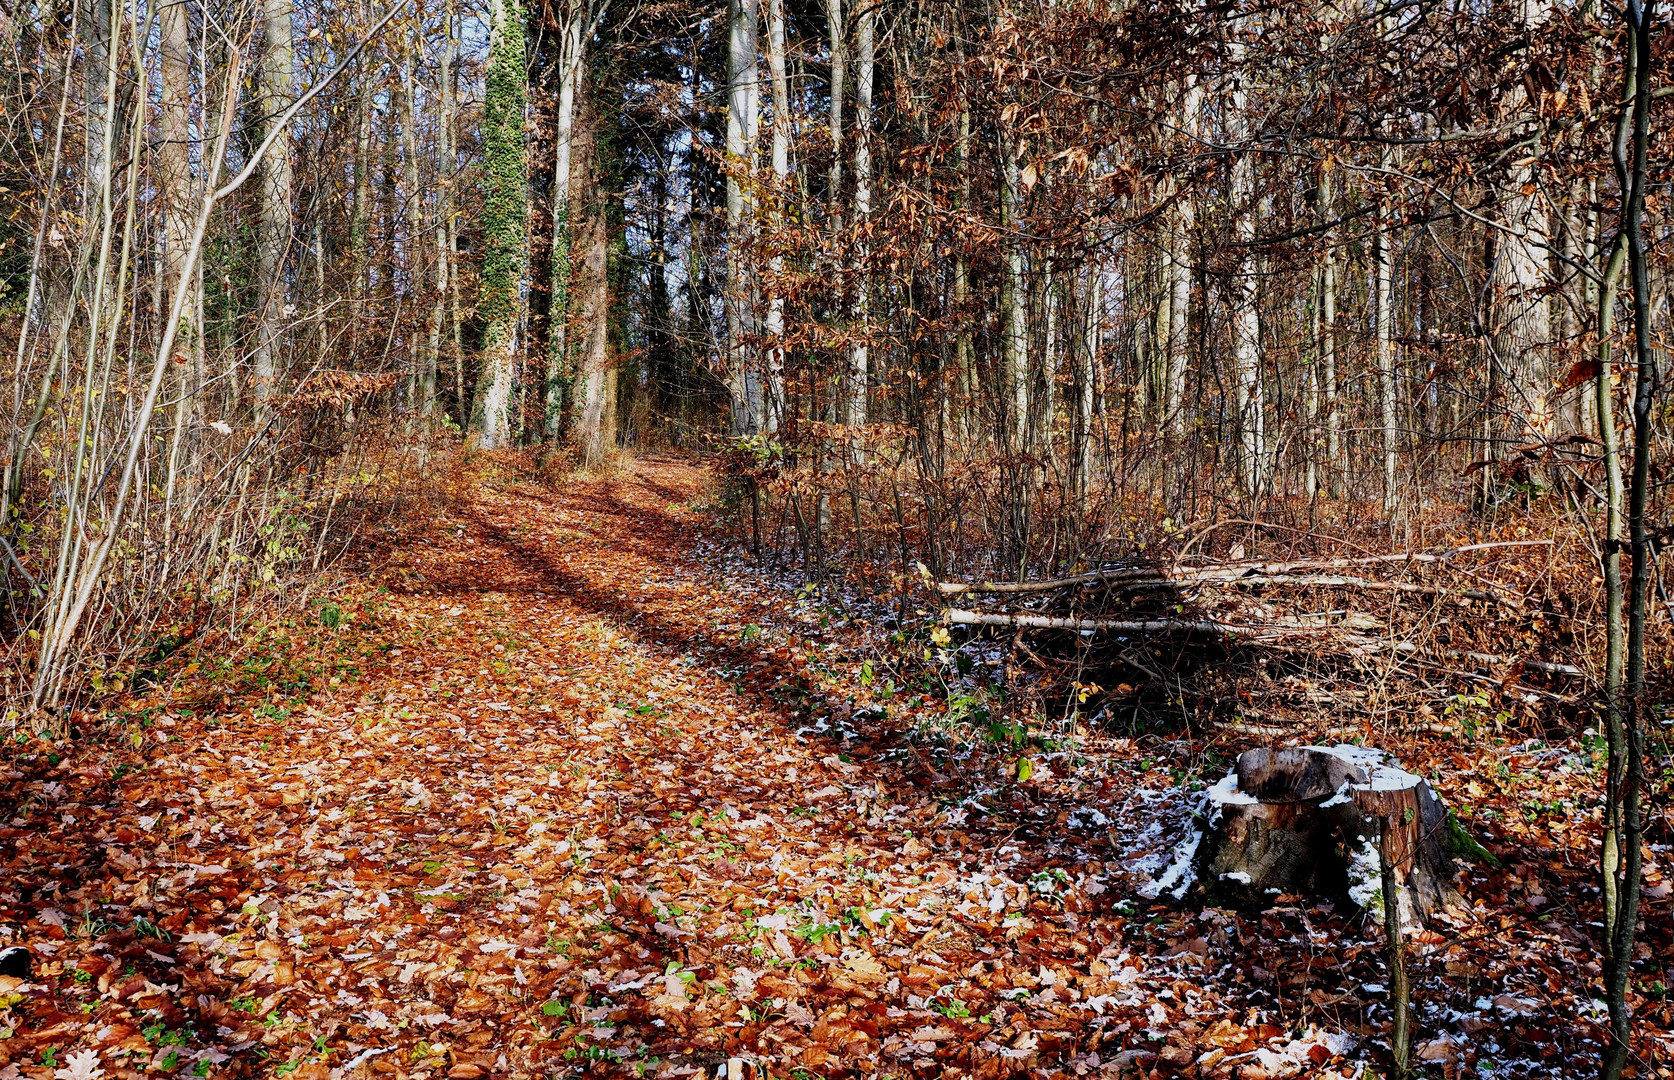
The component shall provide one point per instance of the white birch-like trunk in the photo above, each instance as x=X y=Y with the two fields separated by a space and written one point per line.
x=1383 y=322
x=1246 y=326
x=775 y=329
x=742 y=106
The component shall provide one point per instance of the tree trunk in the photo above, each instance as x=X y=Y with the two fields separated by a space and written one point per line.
x=775 y=351
x=1086 y=374
x=838 y=35
x=742 y=92
x=856 y=376
x=427 y=382
x=277 y=92
x=964 y=355
x=450 y=129
x=98 y=103
x=1624 y=713
x=1014 y=341
x=560 y=365
x=595 y=432
x=1383 y=319
x=421 y=364
x=1249 y=408
x=1522 y=316
x=1179 y=283
x=174 y=133
x=504 y=215
x=361 y=214
x=1338 y=473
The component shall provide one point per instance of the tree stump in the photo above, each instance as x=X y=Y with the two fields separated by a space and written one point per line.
x=1309 y=820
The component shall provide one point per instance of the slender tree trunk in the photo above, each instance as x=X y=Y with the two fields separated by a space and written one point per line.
x=174 y=164
x=1179 y=283
x=1014 y=341
x=97 y=103
x=450 y=128
x=1573 y=406
x=838 y=35
x=560 y=365
x=428 y=374
x=1383 y=320
x=1334 y=452
x=594 y=432
x=742 y=108
x=1249 y=406
x=421 y=363
x=277 y=93
x=964 y=354
x=857 y=374
x=504 y=219
x=1086 y=376
x=1522 y=315
x=775 y=350
x=361 y=214
x=1311 y=397
x=1625 y=713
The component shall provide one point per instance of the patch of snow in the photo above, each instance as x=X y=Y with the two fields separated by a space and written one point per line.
x=1345 y=794
x=1087 y=818
x=1382 y=772
x=1364 y=757
x=1366 y=877
x=1181 y=872
x=1226 y=793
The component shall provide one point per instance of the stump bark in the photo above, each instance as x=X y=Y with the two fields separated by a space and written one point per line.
x=1308 y=820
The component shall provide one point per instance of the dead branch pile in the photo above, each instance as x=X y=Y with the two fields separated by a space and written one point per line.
x=1337 y=626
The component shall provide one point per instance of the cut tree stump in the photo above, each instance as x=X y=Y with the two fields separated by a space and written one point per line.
x=1307 y=820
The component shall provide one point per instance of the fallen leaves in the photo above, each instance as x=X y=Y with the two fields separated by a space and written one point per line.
x=82 y=1065
x=569 y=810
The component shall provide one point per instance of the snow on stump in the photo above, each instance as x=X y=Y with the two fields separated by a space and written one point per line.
x=1307 y=820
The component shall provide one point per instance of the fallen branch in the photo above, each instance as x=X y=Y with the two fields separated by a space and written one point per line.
x=961 y=617
x=1304 y=573
x=1335 y=581
x=1096 y=577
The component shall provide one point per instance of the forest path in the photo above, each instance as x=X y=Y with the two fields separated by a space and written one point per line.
x=572 y=790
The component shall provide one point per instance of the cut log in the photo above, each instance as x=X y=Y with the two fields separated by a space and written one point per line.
x=1308 y=820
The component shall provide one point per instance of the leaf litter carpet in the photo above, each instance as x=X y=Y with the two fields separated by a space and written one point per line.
x=569 y=788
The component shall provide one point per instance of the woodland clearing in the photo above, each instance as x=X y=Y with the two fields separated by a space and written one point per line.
x=565 y=784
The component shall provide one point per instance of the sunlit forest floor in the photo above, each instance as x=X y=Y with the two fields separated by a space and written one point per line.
x=565 y=785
